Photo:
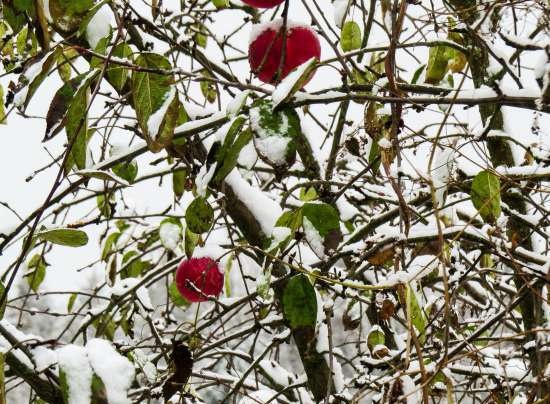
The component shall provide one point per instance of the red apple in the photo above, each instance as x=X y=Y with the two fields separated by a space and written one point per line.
x=266 y=44
x=197 y=279
x=263 y=3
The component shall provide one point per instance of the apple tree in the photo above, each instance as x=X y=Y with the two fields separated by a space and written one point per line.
x=274 y=201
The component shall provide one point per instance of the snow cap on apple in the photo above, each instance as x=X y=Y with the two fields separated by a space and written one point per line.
x=266 y=49
x=263 y=3
x=197 y=279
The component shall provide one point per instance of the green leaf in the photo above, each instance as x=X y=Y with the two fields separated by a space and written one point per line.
x=63 y=68
x=36 y=277
x=308 y=194
x=72 y=7
x=485 y=194
x=105 y=205
x=35 y=260
x=76 y=125
x=293 y=221
x=99 y=393
x=375 y=337
x=208 y=89
x=21 y=41
x=64 y=385
x=117 y=74
x=179 y=180
x=67 y=15
x=154 y=94
x=70 y=302
x=220 y=3
x=109 y=244
x=300 y=302
x=176 y=297
x=417 y=74
x=112 y=269
x=191 y=241
x=228 y=154
x=132 y=266
x=126 y=170
x=64 y=236
x=323 y=217
x=438 y=60
x=350 y=37
x=416 y=315
x=56 y=118
x=199 y=216
x=201 y=38
x=15 y=12
x=376 y=128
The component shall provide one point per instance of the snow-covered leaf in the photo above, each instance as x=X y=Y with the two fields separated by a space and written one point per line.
x=90 y=13
x=321 y=223
x=235 y=106
x=227 y=154
x=102 y=175
x=66 y=16
x=154 y=97
x=34 y=74
x=115 y=371
x=170 y=230
x=293 y=82
x=274 y=133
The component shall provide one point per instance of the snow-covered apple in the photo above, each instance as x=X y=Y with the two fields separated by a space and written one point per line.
x=266 y=49
x=263 y=3
x=197 y=279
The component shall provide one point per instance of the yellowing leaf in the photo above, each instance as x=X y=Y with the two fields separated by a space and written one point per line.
x=485 y=194
x=350 y=37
